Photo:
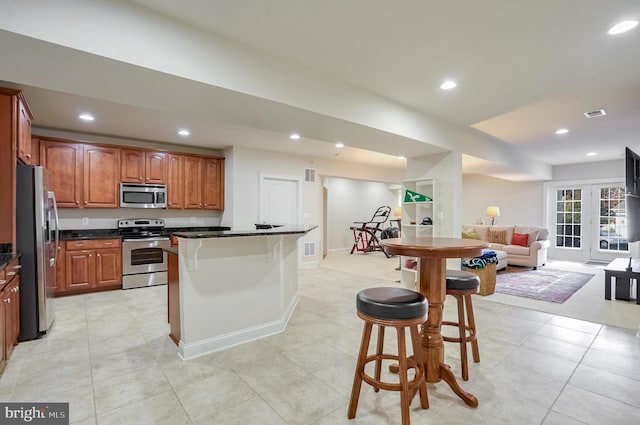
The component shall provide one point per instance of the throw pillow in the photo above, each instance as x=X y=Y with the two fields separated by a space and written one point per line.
x=521 y=239
x=469 y=235
x=497 y=236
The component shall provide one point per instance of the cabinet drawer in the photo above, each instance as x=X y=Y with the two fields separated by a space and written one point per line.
x=92 y=244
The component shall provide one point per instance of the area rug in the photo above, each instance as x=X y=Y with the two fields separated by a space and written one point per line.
x=544 y=284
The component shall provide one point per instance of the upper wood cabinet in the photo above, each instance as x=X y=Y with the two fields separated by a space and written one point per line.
x=82 y=175
x=64 y=162
x=212 y=184
x=88 y=176
x=139 y=166
x=192 y=182
x=15 y=130
x=24 y=132
x=101 y=172
x=175 y=182
x=155 y=167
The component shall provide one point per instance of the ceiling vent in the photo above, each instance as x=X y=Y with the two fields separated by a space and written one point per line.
x=596 y=113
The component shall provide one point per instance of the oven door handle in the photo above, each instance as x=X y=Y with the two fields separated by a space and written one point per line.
x=154 y=239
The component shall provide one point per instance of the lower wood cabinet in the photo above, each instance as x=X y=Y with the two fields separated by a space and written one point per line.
x=9 y=310
x=90 y=265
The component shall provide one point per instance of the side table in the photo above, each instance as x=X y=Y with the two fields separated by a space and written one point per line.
x=618 y=269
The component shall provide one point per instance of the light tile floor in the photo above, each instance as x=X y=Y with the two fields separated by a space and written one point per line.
x=109 y=356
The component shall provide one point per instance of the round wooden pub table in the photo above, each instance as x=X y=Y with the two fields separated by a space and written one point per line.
x=433 y=254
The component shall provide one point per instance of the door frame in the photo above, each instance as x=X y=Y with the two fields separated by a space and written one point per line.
x=264 y=177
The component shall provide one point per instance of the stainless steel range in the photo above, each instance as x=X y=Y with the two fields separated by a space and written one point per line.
x=144 y=262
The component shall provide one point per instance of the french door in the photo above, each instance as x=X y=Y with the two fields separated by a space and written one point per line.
x=587 y=221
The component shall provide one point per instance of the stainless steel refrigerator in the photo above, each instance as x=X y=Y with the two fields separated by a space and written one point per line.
x=37 y=243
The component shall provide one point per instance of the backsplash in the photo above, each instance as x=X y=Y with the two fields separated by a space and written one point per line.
x=85 y=219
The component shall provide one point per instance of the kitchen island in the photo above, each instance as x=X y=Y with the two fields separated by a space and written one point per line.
x=231 y=287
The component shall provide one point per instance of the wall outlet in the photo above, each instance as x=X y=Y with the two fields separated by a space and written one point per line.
x=85 y=221
x=193 y=219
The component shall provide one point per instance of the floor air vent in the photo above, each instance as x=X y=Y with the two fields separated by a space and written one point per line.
x=596 y=113
x=309 y=249
x=309 y=175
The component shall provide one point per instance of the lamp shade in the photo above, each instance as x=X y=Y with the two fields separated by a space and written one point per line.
x=397 y=211
x=493 y=211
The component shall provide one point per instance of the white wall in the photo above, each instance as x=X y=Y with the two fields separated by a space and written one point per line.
x=242 y=208
x=446 y=169
x=519 y=202
x=589 y=170
x=353 y=200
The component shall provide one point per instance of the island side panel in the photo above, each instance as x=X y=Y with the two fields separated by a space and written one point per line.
x=243 y=288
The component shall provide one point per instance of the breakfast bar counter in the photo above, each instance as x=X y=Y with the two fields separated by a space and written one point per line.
x=231 y=287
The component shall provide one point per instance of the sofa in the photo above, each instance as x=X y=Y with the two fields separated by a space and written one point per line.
x=525 y=245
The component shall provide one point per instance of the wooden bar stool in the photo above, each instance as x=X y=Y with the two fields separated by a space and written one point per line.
x=399 y=308
x=462 y=285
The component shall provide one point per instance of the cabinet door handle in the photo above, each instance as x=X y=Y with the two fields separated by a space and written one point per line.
x=77 y=202
x=7 y=300
x=108 y=243
x=11 y=273
x=98 y=255
x=90 y=255
x=16 y=289
x=28 y=156
x=17 y=266
x=139 y=178
x=2 y=281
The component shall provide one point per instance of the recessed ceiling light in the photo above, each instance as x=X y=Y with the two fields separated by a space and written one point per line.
x=339 y=145
x=86 y=117
x=401 y=157
x=621 y=27
x=592 y=153
x=295 y=136
x=562 y=131
x=448 y=85
x=184 y=132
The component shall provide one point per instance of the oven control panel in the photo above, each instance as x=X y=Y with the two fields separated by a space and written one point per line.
x=140 y=222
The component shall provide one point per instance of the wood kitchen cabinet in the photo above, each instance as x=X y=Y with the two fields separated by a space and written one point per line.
x=140 y=166
x=100 y=177
x=64 y=161
x=192 y=182
x=24 y=131
x=212 y=184
x=9 y=310
x=203 y=183
x=175 y=182
x=15 y=130
x=92 y=264
x=82 y=175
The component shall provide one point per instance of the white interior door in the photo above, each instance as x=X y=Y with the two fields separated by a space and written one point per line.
x=280 y=200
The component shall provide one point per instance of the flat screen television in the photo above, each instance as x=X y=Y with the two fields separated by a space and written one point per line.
x=632 y=190
x=632 y=172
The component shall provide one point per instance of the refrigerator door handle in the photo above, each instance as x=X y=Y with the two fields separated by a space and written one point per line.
x=57 y=234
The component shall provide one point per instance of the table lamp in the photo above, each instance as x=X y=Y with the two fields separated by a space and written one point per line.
x=493 y=212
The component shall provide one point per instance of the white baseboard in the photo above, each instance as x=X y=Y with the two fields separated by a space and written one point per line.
x=222 y=342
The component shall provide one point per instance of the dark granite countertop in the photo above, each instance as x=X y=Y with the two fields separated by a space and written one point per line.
x=72 y=235
x=6 y=258
x=283 y=230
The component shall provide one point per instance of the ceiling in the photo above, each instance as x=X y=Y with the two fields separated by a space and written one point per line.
x=524 y=69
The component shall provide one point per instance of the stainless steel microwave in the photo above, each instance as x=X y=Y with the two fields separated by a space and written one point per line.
x=134 y=195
